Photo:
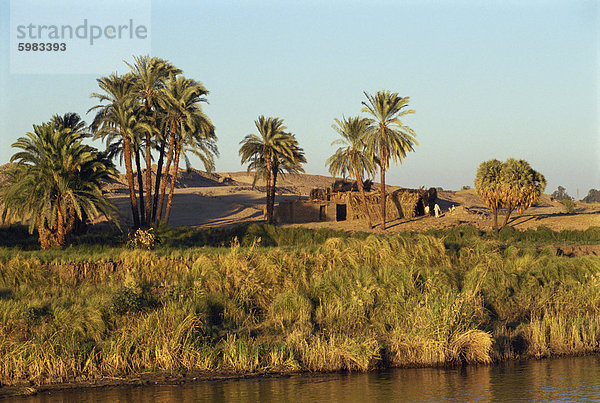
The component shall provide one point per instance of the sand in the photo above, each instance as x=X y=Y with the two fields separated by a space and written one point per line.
x=223 y=199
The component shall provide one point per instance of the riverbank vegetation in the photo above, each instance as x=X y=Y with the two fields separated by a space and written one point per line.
x=260 y=299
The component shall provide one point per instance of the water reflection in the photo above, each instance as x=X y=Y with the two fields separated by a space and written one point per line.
x=566 y=379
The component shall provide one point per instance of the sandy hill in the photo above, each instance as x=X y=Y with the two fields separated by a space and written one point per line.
x=286 y=184
x=216 y=199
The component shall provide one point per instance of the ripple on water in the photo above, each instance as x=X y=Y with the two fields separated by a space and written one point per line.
x=563 y=379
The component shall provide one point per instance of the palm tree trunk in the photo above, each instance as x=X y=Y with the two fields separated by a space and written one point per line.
x=43 y=234
x=140 y=185
x=161 y=156
x=363 y=198
x=148 y=179
x=273 y=187
x=496 y=217
x=163 y=187
x=382 y=165
x=130 y=184
x=72 y=219
x=173 y=180
x=269 y=190
x=60 y=225
x=508 y=211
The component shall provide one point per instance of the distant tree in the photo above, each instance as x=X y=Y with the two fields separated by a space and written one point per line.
x=71 y=121
x=593 y=196
x=281 y=164
x=466 y=187
x=270 y=152
x=353 y=157
x=56 y=180
x=510 y=185
x=388 y=137
x=561 y=194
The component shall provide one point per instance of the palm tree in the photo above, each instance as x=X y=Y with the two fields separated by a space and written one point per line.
x=512 y=185
x=188 y=127
x=281 y=164
x=55 y=182
x=118 y=119
x=388 y=136
x=269 y=150
x=150 y=75
x=521 y=186
x=353 y=158
x=488 y=182
x=287 y=164
x=71 y=121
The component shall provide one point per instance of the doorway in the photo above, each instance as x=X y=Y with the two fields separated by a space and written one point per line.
x=340 y=212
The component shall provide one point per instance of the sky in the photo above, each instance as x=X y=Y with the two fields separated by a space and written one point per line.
x=494 y=79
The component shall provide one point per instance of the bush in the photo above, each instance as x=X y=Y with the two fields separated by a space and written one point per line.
x=569 y=205
x=143 y=238
x=561 y=194
x=545 y=234
x=132 y=299
x=592 y=234
x=507 y=233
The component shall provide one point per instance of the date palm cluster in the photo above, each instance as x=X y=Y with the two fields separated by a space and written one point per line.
x=153 y=113
x=55 y=183
x=366 y=143
x=377 y=140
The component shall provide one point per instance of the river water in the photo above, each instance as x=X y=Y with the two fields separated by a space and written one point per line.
x=562 y=379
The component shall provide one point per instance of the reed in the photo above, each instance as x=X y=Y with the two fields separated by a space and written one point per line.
x=337 y=303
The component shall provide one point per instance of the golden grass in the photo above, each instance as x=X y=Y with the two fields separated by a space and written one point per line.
x=348 y=304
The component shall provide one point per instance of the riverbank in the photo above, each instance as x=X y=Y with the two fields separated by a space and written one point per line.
x=273 y=300
x=143 y=379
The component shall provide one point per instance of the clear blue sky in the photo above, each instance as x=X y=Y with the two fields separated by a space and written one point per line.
x=487 y=79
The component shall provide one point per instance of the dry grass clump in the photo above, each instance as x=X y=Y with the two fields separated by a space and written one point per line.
x=335 y=353
x=472 y=347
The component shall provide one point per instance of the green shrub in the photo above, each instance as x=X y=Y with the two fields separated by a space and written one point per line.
x=592 y=234
x=34 y=314
x=143 y=238
x=545 y=234
x=132 y=299
x=569 y=205
x=507 y=234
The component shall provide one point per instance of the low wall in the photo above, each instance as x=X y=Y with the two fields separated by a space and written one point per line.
x=301 y=211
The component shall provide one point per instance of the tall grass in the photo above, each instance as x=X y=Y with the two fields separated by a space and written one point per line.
x=277 y=299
